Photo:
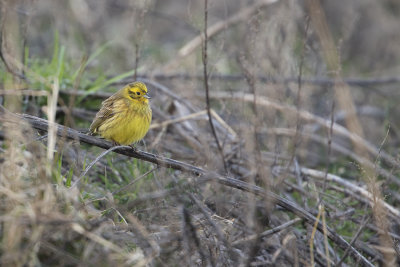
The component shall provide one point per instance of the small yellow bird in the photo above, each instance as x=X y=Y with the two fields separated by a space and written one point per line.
x=124 y=117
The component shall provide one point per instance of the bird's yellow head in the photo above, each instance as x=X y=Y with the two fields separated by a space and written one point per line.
x=137 y=91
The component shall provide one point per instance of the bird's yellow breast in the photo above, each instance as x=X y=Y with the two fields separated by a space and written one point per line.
x=127 y=126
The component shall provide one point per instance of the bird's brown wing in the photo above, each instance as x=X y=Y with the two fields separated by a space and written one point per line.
x=106 y=112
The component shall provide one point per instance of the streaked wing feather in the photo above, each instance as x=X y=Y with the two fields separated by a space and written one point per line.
x=106 y=112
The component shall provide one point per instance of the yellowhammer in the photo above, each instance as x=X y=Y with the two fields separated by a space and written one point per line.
x=124 y=117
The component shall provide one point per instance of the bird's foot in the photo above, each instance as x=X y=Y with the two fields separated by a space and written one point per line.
x=115 y=143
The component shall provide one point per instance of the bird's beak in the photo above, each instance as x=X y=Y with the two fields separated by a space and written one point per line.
x=146 y=96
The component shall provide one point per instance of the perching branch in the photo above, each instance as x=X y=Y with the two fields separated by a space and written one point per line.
x=62 y=131
x=41 y=124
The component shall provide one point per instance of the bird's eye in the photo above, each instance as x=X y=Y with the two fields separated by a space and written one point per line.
x=138 y=93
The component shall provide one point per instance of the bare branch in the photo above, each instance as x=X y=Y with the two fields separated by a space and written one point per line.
x=41 y=124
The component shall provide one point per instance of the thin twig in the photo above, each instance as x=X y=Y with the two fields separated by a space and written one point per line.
x=330 y=136
x=223 y=123
x=355 y=237
x=267 y=233
x=206 y=87
x=134 y=181
x=136 y=61
x=180 y=119
x=296 y=138
x=94 y=162
x=256 y=123
x=192 y=116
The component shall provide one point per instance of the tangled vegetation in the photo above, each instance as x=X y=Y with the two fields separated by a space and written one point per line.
x=273 y=139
